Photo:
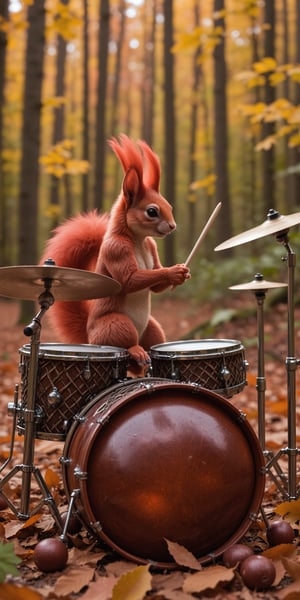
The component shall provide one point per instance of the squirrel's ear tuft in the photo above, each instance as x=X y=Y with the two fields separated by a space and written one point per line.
x=152 y=163
x=133 y=187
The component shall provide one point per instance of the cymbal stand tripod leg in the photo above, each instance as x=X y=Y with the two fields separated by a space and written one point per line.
x=291 y=365
x=27 y=468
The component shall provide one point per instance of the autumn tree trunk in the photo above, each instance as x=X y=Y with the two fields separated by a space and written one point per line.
x=31 y=134
x=224 y=224
x=59 y=119
x=103 y=41
x=149 y=80
x=85 y=107
x=3 y=211
x=31 y=138
x=268 y=156
x=170 y=123
x=193 y=132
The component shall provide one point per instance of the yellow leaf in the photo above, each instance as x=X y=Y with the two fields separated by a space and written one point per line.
x=290 y=510
x=295 y=115
x=276 y=78
x=265 y=65
x=294 y=140
x=133 y=585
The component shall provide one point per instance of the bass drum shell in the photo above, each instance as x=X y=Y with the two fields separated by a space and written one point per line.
x=155 y=460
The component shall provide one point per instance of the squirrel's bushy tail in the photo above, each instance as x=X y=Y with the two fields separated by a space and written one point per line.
x=74 y=244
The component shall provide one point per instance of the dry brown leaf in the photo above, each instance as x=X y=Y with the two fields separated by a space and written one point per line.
x=293 y=568
x=182 y=556
x=277 y=552
x=85 y=557
x=73 y=580
x=101 y=589
x=133 y=585
x=119 y=567
x=290 y=592
x=208 y=578
x=170 y=581
x=14 y=526
x=9 y=591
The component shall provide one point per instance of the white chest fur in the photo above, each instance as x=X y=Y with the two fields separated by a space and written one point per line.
x=138 y=304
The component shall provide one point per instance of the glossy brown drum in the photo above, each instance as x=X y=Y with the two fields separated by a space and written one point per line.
x=68 y=377
x=217 y=365
x=152 y=459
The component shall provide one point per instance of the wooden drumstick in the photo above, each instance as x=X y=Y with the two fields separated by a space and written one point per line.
x=203 y=233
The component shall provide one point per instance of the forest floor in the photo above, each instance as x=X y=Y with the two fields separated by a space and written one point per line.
x=96 y=571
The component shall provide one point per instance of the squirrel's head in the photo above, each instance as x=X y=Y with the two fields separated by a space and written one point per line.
x=147 y=211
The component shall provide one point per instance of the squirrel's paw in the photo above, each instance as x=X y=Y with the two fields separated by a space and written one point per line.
x=139 y=355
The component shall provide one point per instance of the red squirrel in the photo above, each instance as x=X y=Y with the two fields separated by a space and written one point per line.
x=119 y=245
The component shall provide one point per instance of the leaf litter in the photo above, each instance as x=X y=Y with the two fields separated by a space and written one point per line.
x=98 y=572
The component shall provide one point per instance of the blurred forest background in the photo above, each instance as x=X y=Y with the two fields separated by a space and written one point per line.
x=213 y=86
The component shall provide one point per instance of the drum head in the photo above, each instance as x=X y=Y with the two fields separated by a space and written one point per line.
x=194 y=348
x=176 y=463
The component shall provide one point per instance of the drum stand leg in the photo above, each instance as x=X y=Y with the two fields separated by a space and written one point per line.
x=27 y=468
x=291 y=493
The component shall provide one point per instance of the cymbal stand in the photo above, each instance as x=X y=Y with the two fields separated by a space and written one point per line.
x=27 y=468
x=278 y=477
x=291 y=365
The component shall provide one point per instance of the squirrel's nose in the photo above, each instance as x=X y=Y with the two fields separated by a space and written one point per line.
x=172 y=225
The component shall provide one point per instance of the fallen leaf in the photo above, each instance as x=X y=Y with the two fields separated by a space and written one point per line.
x=73 y=580
x=182 y=556
x=101 y=589
x=133 y=585
x=292 y=567
x=289 y=510
x=208 y=578
x=9 y=591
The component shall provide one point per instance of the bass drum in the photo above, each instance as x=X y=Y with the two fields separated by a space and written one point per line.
x=154 y=460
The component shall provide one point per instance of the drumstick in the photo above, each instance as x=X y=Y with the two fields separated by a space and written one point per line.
x=203 y=233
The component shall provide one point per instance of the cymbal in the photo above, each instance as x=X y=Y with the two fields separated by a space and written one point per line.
x=274 y=223
x=258 y=284
x=27 y=282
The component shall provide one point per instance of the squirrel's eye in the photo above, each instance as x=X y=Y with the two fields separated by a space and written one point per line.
x=152 y=212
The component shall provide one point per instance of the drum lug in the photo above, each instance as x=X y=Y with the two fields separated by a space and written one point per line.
x=242 y=416
x=225 y=373
x=65 y=461
x=246 y=364
x=87 y=372
x=79 y=474
x=54 y=397
x=96 y=526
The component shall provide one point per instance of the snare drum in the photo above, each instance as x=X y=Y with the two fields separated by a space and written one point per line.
x=68 y=378
x=217 y=365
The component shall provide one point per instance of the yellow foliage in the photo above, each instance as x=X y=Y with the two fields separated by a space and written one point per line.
x=66 y=20
x=294 y=73
x=207 y=183
x=55 y=102
x=267 y=143
x=59 y=161
x=53 y=211
x=133 y=585
x=276 y=78
x=294 y=140
x=294 y=116
x=266 y=65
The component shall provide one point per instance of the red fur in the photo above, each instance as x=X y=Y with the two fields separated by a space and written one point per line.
x=120 y=246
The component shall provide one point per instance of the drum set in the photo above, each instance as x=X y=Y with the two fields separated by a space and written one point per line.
x=145 y=460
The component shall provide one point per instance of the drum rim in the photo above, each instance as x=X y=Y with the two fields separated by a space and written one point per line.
x=89 y=351
x=161 y=350
x=249 y=433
